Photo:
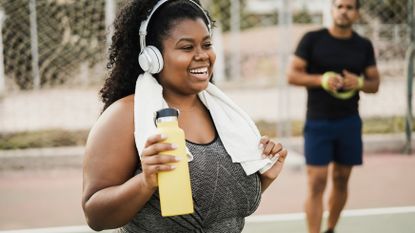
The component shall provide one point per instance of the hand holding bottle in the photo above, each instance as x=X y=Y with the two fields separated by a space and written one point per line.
x=153 y=162
x=174 y=185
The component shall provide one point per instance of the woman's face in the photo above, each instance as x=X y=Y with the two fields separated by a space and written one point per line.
x=188 y=57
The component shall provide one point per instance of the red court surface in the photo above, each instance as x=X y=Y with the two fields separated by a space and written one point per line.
x=50 y=197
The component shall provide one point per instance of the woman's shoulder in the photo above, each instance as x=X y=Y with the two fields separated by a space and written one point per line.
x=123 y=106
x=125 y=102
x=119 y=114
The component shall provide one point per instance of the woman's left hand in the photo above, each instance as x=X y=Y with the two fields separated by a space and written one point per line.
x=270 y=150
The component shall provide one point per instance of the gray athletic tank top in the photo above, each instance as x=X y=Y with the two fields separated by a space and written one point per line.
x=223 y=196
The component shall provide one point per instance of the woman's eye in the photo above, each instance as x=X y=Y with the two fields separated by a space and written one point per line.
x=187 y=47
x=207 y=45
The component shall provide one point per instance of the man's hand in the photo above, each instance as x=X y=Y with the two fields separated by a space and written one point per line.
x=351 y=81
x=331 y=81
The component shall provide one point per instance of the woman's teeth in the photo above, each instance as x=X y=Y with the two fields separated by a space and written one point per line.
x=199 y=71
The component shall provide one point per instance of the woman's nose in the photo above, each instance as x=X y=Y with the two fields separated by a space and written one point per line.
x=201 y=54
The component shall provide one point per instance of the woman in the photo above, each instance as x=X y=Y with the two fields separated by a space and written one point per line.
x=120 y=177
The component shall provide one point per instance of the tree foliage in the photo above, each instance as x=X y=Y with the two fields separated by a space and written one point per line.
x=220 y=10
x=302 y=16
x=387 y=11
x=69 y=33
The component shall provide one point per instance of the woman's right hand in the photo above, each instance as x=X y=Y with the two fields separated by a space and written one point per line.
x=153 y=162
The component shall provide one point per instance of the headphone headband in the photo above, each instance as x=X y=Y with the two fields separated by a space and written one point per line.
x=144 y=24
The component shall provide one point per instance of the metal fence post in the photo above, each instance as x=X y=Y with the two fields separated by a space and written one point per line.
x=285 y=22
x=327 y=19
x=34 y=44
x=235 y=35
x=410 y=57
x=110 y=9
x=2 y=75
x=219 y=68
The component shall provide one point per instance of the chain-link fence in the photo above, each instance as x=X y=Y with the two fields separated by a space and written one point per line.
x=267 y=28
x=257 y=49
x=47 y=43
x=53 y=57
x=51 y=49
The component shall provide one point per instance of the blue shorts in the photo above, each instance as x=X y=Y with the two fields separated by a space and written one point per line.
x=338 y=140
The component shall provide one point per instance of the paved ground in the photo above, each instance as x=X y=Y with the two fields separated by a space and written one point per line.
x=49 y=197
x=40 y=193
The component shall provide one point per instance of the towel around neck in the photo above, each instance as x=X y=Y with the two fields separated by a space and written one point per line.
x=237 y=131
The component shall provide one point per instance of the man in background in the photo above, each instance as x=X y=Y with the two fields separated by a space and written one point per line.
x=334 y=64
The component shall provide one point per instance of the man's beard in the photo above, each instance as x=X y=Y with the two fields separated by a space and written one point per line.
x=343 y=25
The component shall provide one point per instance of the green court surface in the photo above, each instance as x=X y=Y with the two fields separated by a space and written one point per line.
x=387 y=220
x=380 y=220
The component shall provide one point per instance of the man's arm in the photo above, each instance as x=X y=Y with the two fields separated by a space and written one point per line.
x=297 y=74
x=372 y=80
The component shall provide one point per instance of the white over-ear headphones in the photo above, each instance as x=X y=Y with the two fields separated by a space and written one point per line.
x=150 y=58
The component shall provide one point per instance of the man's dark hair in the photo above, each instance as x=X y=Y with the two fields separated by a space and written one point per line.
x=356 y=1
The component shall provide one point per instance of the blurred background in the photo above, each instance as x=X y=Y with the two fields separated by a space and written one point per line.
x=53 y=63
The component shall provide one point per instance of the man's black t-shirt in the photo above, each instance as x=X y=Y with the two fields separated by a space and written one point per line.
x=324 y=53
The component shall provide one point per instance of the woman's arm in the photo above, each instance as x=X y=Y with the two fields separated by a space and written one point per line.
x=112 y=193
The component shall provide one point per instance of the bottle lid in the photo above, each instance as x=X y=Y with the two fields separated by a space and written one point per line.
x=167 y=112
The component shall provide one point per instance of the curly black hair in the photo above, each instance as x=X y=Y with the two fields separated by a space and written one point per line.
x=123 y=53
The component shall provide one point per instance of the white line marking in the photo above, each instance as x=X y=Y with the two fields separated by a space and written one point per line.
x=67 y=229
x=345 y=213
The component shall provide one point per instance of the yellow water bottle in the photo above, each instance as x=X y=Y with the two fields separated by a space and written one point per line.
x=174 y=186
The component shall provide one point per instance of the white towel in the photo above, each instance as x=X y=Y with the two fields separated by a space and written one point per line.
x=237 y=131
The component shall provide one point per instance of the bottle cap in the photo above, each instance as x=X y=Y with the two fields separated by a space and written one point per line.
x=167 y=112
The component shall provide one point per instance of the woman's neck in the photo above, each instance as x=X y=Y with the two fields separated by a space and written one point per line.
x=182 y=103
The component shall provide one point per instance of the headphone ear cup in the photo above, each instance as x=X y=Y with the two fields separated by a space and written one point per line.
x=144 y=61
x=157 y=59
x=151 y=60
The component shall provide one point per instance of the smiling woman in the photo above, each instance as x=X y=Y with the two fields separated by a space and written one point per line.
x=188 y=57
x=229 y=169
